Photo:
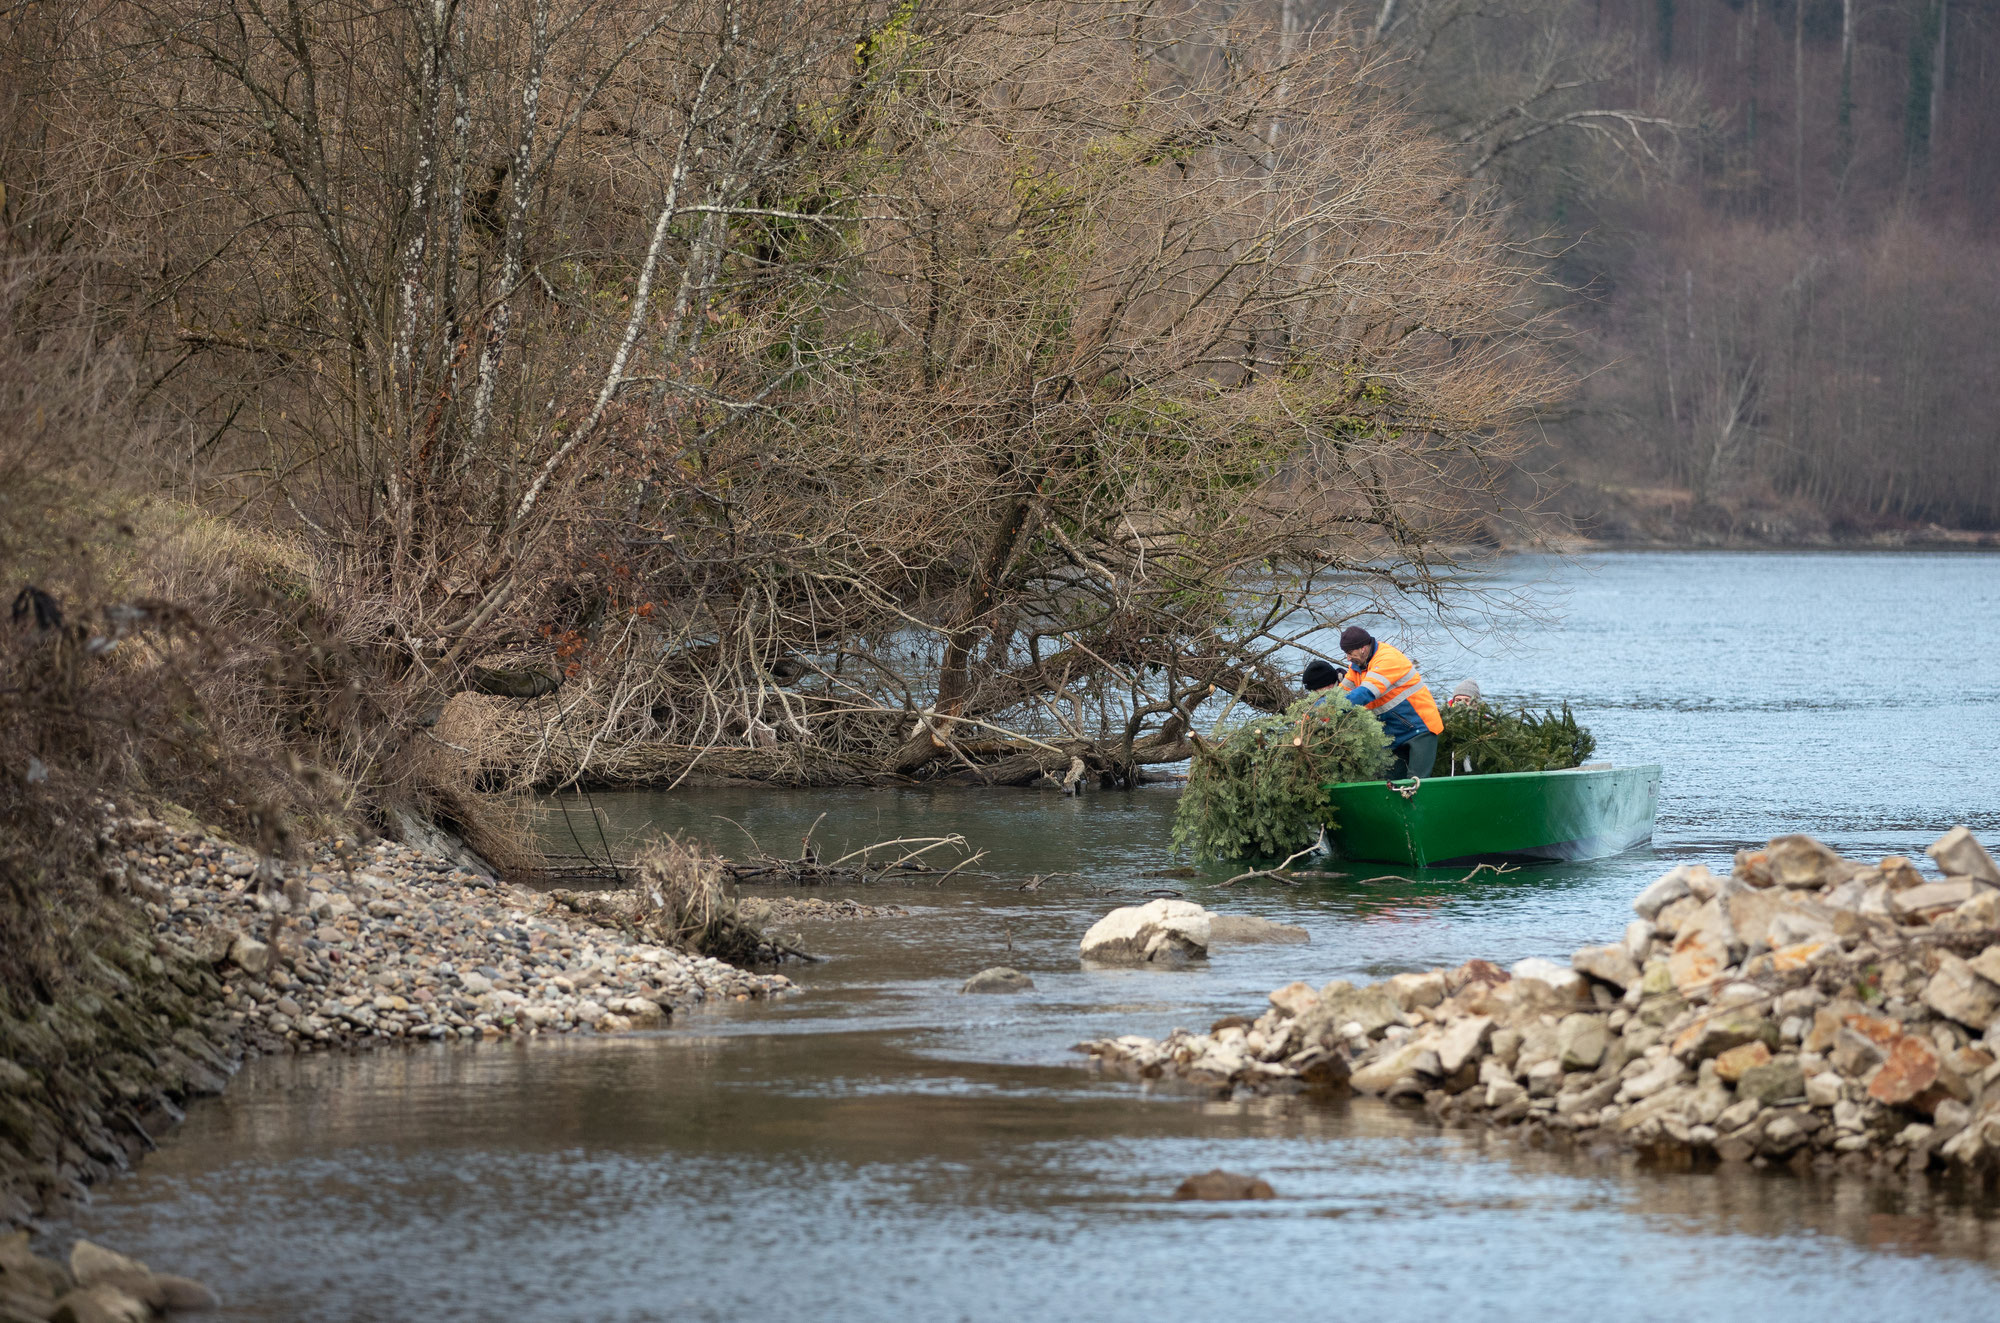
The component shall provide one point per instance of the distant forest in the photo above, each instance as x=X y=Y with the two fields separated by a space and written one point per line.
x=1776 y=226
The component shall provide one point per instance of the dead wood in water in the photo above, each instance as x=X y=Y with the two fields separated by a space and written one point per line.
x=867 y=865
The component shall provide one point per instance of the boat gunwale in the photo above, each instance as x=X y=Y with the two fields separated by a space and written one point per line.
x=1384 y=783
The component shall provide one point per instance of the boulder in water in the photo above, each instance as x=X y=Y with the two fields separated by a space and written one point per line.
x=998 y=979
x=1220 y=1185
x=1160 y=932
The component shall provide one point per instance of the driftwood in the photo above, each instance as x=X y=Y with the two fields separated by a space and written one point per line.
x=504 y=682
x=905 y=859
x=966 y=762
x=869 y=864
x=1282 y=872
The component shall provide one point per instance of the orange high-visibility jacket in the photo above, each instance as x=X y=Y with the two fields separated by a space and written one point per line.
x=1392 y=689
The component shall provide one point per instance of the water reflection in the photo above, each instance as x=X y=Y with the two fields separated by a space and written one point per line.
x=713 y=1175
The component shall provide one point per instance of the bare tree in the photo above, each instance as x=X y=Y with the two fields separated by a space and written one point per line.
x=1142 y=381
x=831 y=393
x=1536 y=88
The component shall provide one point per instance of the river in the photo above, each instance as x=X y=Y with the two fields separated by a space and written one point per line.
x=884 y=1148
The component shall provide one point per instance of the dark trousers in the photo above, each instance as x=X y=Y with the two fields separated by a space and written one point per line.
x=1415 y=758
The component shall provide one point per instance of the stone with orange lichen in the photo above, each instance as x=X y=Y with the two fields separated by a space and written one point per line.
x=1730 y=1065
x=1798 y=956
x=1910 y=1068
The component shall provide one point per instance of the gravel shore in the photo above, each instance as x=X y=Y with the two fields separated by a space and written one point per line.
x=215 y=954
x=391 y=944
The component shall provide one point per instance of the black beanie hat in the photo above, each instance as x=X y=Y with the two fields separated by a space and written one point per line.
x=1355 y=637
x=1320 y=674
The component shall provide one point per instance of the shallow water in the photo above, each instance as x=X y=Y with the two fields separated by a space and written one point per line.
x=881 y=1147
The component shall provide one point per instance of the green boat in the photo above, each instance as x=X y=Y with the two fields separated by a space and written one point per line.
x=1586 y=812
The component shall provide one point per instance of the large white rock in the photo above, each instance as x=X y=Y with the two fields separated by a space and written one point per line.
x=1612 y=964
x=1464 y=1040
x=1413 y=1059
x=1802 y=862
x=89 y=1263
x=1662 y=1074
x=250 y=955
x=1560 y=977
x=1295 y=998
x=1702 y=947
x=1961 y=993
x=1414 y=991
x=1582 y=1041
x=1158 y=932
x=1671 y=886
x=1799 y=921
x=1959 y=854
x=1987 y=963
x=1935 y=896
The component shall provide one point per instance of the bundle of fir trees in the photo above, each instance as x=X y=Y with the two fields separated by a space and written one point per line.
x=1260 y=792
x=1482 y=740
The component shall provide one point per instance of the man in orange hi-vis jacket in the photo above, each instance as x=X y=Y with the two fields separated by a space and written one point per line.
x=1384 y=681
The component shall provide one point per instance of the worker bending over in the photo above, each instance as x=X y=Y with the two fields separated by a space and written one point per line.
x=1386 y=682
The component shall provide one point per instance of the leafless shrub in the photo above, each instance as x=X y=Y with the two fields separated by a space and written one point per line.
x=683 y=899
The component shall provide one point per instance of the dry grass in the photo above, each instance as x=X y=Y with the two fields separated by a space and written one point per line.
x=162 y=657
x=683 y=899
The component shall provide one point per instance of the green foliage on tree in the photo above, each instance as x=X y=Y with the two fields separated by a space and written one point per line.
x=1260 y=793
x=1494 y=740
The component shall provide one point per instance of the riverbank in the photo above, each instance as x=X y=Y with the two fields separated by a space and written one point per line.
x=1613 y=516
x=215 y=954
x=1804 y=1009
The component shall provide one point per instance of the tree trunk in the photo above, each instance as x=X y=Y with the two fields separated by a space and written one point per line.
x=1938 y=71
x=1799 y=111
x=1917 y=103
x=1846 y=112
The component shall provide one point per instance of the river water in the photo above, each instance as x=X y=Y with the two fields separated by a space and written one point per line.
x=884 y=1148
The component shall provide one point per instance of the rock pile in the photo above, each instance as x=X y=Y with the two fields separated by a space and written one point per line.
x=1803 y=1008
x=98 y=1286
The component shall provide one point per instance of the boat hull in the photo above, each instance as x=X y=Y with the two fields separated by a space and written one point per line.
x=1582 y=813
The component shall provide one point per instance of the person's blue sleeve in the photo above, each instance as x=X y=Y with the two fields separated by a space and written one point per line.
x=1361 y=695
